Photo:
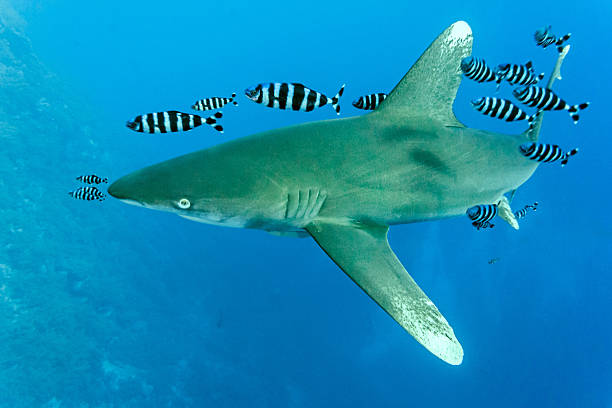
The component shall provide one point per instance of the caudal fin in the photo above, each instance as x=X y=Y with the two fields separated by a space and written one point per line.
x=574 y=111
x=336 y=99
x=567 y=156
x=212 y=121
x=540 y=77
x=233 y=99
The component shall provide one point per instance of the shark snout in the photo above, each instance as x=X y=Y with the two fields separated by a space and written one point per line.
x=122 y=189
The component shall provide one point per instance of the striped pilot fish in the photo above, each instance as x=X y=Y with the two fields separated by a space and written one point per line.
x=545 y=99
x=544 y=38
x=369 y=102
x=481 y=215
x=518 y=74
x=214 y=102
x=172 y=121
x=92 y=179
x=477 y=69
x=545 y=152
x=297 y=97
x=500 y=109
x=87 y=193
x=523 y=211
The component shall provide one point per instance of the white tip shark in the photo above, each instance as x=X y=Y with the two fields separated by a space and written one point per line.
x=345 y=181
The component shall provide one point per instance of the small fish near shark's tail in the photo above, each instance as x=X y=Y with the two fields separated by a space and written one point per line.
x=335 y=101
x=575 y=110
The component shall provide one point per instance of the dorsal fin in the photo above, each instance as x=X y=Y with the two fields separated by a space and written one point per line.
x=430 y=87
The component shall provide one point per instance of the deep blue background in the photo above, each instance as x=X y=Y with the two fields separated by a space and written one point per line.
x=113 y=305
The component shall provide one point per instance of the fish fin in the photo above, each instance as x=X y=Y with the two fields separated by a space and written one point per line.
x=429 y=89
x=363 y=253
x=533 y=133
x=505 y=212
x=574 y=111
x=335 y=101
x=567 y=156
x=529 y=65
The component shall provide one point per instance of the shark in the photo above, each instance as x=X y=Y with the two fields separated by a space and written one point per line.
x=345 y=181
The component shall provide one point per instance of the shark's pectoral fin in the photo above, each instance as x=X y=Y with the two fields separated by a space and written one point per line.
x=363 y=253
x=429 y=88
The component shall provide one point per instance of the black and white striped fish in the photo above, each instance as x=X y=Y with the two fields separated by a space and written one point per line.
x=92 y=179
x=500 y=109
x=518 y=74
x=88 y=193
x=544 y=38
x=291 y=96
x=214 y=102
x=481 y=215
x=544 y=99
x=545 y=152
x=477 y=69
x=172 y=121
x=369 y=102
x=523 y=211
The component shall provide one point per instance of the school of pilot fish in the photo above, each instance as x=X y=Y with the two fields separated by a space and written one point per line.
x=298 y=97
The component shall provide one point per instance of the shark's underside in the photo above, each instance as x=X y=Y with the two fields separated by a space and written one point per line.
x=344 y=181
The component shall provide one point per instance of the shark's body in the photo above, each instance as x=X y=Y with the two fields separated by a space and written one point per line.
x=344 y=181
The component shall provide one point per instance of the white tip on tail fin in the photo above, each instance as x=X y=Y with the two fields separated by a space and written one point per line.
x=335 y=102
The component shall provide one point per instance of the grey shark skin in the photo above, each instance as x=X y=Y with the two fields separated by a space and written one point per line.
x=345 y=181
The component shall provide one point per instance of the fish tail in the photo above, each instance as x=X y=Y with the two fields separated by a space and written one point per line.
x=575 y=110
x=567 y=156
x=336 y=99
x=232 y=99
x=540 y=77
x=105 y=180
x=563 y=39
x=498 y=80
x=212 y=121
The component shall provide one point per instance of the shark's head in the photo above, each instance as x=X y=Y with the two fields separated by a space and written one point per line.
x=253 y=92
x=191 y=186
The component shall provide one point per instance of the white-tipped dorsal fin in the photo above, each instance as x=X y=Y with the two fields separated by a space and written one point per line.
x=428 y=90
x=505 y=212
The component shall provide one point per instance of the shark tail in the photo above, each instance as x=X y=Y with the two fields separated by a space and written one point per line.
x=335 y=102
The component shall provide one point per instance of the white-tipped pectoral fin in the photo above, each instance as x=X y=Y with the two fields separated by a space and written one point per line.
x=363 y=253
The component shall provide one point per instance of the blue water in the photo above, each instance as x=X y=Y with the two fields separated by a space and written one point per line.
x=111 y=305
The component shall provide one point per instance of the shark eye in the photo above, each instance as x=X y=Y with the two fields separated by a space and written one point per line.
x=184 y=203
